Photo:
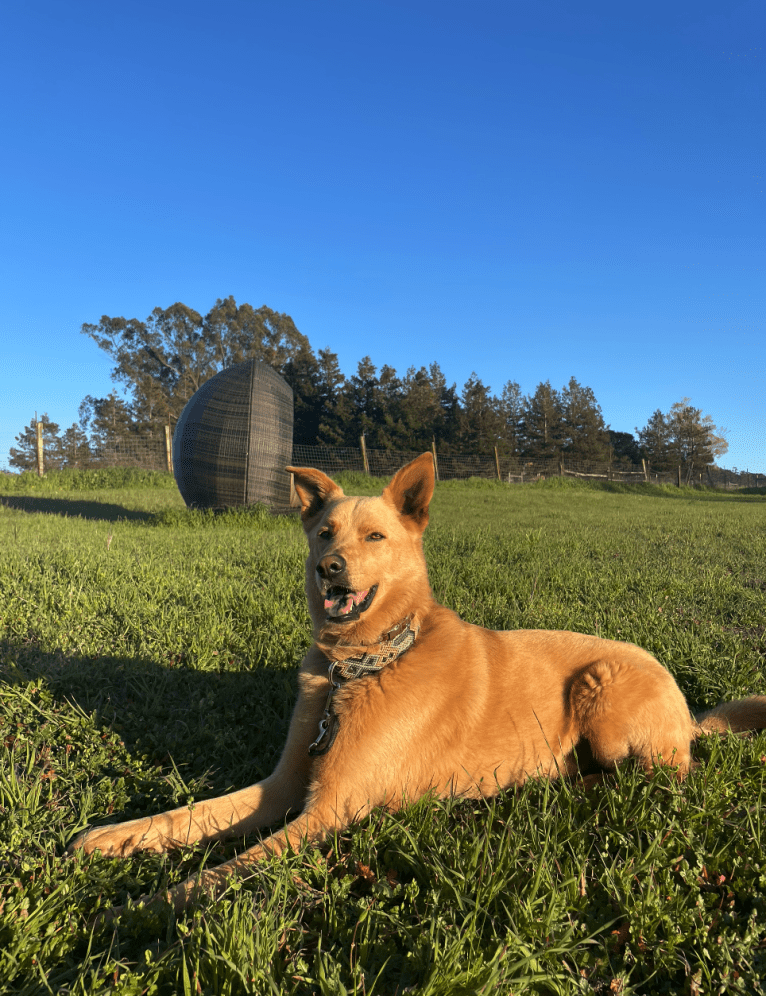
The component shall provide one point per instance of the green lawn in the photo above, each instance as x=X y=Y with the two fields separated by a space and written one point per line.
x=148 y=657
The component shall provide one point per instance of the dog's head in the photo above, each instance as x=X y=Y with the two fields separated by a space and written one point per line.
x=365 y=570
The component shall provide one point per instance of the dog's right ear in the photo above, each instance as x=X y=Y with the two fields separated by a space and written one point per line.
x=314 y=489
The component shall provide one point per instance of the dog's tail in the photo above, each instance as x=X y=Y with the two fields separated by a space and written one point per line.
x=735 y=717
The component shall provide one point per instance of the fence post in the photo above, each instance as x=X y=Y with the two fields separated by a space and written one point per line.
x=169 y=449
x=497 y=465
x=561 y=466
x=363 y=448
x=436 y=462
x=679 y=475
x=646 y=475
x=40 y=458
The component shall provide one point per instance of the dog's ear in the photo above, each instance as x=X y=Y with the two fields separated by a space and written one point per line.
x=412 y=488
x=314 y=489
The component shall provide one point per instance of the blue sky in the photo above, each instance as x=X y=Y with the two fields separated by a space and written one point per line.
x=531 y=191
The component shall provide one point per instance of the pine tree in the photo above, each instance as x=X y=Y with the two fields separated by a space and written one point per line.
x=481 y=423
x=109 y=419
x=584 y=432
x=511 y=409
x=542 y=422
x=72 y=448
x=654 y=440
x=332 y=405
x=25 y=455
x=419 y=414
x=683 y=438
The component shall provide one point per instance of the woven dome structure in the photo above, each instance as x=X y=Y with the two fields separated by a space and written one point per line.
x=234 y=439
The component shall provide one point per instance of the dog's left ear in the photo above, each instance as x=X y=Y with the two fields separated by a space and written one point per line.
x=412 y=488
x=314 y=490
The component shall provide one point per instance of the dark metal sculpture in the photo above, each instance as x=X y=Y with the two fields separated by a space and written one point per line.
x=234 y=439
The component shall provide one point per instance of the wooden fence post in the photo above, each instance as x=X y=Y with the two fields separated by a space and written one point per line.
x=497 y=465
x=436 y=462
x=679 y=475
x=363 y=448
x=40 y=458
x=169 y=449
x=561 y=466
x=646 y=475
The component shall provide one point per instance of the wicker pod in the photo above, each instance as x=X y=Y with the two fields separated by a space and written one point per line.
x=234 y=439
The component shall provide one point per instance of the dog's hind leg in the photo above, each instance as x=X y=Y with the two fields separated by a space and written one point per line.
x=632 y=708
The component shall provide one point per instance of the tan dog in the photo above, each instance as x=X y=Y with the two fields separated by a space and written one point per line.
x=423 y=702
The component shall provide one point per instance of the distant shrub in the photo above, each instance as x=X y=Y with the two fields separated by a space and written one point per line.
x=473 y=483
x=95 y=479
x=357 y=480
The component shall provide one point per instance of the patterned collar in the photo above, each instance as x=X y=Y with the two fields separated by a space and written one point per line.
x=389 y=648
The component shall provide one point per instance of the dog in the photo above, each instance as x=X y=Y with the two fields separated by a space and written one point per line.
x=399 y=697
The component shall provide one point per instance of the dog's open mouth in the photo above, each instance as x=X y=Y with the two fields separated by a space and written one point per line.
x=344 y=604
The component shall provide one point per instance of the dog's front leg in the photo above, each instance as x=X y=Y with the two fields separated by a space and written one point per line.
x=236 y=814
x=333 y=802
x=213 y=881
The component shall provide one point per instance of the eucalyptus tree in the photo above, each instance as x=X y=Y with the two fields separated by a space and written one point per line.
x=163 y=360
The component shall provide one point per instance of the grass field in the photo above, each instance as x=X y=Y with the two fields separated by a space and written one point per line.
x=148 y=657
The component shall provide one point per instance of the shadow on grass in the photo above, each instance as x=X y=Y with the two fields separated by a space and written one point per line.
x=229 y=724
x=74 y=509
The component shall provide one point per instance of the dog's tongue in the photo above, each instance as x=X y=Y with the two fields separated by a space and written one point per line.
x=342 y=604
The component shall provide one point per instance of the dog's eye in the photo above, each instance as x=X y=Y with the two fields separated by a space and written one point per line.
x=375 y=537
x=324 y=533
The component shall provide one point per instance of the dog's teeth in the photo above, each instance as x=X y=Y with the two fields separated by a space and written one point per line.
x=345 y=602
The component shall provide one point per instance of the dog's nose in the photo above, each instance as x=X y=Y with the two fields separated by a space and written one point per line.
x=331 y=566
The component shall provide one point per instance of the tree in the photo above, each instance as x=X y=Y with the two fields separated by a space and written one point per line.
x=165 y=359
x=542 y=426
x=71 y=448
x=511 y=409
x=450 y=406
x=693 y=439
x=584 y=434
x=654 y=440
x=684 y=437
x=333 y=409
x=417 y=413
x=108 y=419
x=367 y=404
x=481 y=423
x=162 y=361
x=25 y=456
x=624 y=447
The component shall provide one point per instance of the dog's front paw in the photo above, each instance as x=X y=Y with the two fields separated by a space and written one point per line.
x=122 y=839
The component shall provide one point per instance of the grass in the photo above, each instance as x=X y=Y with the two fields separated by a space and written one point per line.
x=148 y=658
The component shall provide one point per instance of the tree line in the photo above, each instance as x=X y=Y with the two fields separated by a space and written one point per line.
x=162 y=361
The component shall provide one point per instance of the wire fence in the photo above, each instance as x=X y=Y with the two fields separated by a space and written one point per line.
x=515 y=470
x=155 y=454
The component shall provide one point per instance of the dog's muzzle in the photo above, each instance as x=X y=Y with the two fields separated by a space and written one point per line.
x=342 y=604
